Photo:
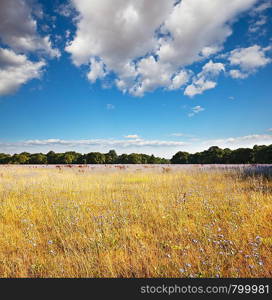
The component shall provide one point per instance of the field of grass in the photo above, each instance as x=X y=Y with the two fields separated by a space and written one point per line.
x=78 y=222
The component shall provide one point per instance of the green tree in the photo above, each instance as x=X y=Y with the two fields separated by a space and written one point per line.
x=5 y=158
x=111 y=157
x=38 y=158
x=21 y=158
x=195 y=158
x=214 y=155
x=122 y=159
x=242 y=156
x=82 y=159
x=70 y=157
x=180 y=158
x=152 y=159
x=95 y=158
x=51 y=157
x=226 y=156
x=262 y=154
x=134 y=158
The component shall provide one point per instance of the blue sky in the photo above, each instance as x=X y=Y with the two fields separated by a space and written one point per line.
x=135 y=76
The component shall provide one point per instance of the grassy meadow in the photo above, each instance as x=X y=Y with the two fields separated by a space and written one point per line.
x=143 y=222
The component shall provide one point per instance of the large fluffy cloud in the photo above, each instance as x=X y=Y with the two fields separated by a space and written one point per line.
x=15 y=70
x=199 y=27
x=117 y=31
x=248 y=60
x=18 y=28
x=19 y=37
x=147 y=44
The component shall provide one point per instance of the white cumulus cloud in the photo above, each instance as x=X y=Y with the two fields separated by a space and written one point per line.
x=97 y=70
x=147 y=44
x=19 y=38
x=205 y=79
x=15 y=70
x=18 y=28
x=248 y=60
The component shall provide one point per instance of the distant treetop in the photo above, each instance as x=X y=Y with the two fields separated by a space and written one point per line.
x=214 y=155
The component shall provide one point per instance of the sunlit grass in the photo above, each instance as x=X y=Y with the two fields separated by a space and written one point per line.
x=72 y=222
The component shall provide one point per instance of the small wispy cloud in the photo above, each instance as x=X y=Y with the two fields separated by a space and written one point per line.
x=95 y=142
x=164 y=148
x=195 y=110
x=132 y=136
x=65 y=10
x=110 y=106
x=241 y=141
x=254 y=27
x=177 y=134
x=260 y=8
x=181 y=134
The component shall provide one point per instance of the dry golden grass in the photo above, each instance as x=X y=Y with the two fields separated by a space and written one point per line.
x=74 y=223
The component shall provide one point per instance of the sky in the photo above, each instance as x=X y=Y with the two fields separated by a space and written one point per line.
x=143 y=76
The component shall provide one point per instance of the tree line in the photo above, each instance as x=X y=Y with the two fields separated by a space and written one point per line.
x=72 y=157
x=214 y=155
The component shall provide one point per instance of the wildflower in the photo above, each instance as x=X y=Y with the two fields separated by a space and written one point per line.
x=188 y=265
x=115 y=201
x=181 y=270
x=261 y=263
x=50 y=242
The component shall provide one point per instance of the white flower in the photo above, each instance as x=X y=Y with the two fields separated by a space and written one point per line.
x=181 y=270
